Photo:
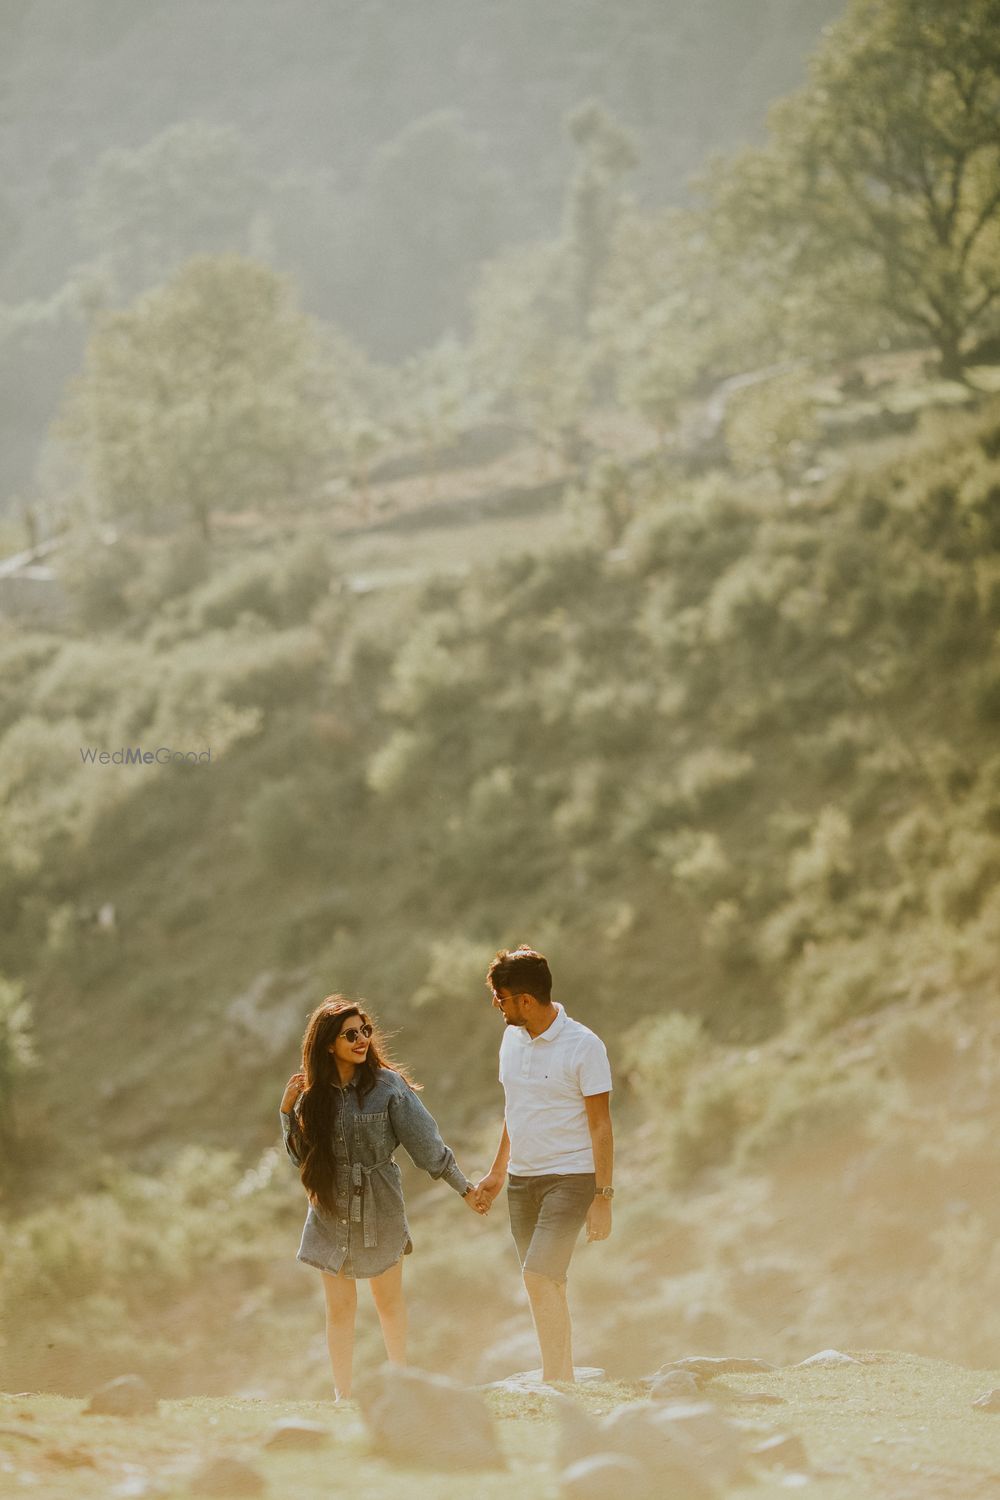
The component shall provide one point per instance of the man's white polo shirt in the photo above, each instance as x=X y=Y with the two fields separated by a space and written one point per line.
x=545 y=1081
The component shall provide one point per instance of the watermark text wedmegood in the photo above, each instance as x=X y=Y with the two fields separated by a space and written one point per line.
x=134 y=755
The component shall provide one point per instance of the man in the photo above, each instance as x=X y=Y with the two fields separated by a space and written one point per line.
x=557 y=1143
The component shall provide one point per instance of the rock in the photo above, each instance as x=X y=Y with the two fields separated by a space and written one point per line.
x=719 y=1442
x=602 y=1476
x=704 y=1367
x=226 y=1476
x=784 y=1450
x=826 y=1357
x=127 y=1396
x=669 y=1457
x=687 y=1446
x=415 y=1418
x=296 y=1432
x=531 y=1380
x=674 y=1384
x=989 y=1402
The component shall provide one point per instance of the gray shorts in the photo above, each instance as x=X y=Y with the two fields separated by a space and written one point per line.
x=546 y=1215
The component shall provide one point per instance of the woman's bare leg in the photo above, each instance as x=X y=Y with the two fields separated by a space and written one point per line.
x=390 y=1305
x=341 y=1305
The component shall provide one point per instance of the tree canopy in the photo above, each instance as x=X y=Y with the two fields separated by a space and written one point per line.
x=205 y=394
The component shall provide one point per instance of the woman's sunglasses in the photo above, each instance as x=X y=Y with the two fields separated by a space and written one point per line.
x=351 y=1033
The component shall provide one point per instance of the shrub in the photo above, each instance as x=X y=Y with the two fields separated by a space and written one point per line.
x=825 y=865
x=812 y=1106
x=279 y=824
x=714 y=1112
x=709 y=779
x=660 y=1055
x=703 y=869
x=972 y=868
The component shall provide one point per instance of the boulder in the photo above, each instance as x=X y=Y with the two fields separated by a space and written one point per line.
x=674 y=1385
x=416 y=1418
x=783 y=1450
x=296 y=1432
x=826 y=1357
x=720 y=1444
x=602 y=1476
x=126 y=1396
x=696 y=1453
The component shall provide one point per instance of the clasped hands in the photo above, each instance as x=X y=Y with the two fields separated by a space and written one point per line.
x=480 y=1197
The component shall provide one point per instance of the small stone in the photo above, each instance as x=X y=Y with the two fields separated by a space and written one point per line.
x=226 y=1476
x=127 y=1396
x=296 y=1432
x=784 y=1450
x=673 y=1385
x=826 y=1357
x=603 y=1475
x=989 y=1402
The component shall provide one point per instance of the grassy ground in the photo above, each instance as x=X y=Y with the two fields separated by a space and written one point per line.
x=893 y=1427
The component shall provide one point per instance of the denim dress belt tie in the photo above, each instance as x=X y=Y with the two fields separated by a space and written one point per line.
x=363 y=1208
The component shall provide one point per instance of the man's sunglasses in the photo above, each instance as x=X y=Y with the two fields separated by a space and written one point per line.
x=351 y=1033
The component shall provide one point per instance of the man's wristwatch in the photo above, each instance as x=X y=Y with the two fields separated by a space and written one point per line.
x=605 y=1192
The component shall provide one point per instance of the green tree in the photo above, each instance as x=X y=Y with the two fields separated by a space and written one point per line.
x=880 y=188
x=526 y=352
x=431 y=212
x=207 y=394
x=191 y=190
x=594 y=202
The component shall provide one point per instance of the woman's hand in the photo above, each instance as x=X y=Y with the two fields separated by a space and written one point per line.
x=473 y=1200
x=293 y=1088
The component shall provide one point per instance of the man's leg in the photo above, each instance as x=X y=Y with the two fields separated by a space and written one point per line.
x=562 y=1204
x=550 y=1311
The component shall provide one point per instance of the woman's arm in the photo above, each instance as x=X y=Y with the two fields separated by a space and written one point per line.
x=290 y=1128
x=416 y=1130
x=290 y=1134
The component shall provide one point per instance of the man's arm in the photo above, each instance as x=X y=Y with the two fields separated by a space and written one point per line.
x=603 y=1141
x=490 y=1185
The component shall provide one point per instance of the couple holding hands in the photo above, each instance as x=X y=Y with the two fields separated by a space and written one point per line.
x=345 y=1113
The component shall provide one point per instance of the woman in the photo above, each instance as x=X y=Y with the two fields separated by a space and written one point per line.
x=342 y=1117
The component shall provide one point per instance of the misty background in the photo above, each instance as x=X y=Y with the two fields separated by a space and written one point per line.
x=549 y=456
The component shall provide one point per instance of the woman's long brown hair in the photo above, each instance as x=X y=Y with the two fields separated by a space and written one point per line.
x=320 y=1100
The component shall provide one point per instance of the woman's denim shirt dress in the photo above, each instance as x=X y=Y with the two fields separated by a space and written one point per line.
x=369 y=1232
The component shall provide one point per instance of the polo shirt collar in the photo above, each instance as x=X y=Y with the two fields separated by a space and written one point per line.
x=551 y=1032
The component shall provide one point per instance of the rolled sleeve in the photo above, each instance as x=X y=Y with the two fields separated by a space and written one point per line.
x=417 y=1132
x=593 y=1070
x=290 y=1135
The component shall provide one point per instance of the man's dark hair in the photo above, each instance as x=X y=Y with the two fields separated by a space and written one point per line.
x=522 y=971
